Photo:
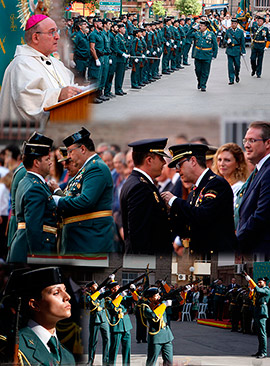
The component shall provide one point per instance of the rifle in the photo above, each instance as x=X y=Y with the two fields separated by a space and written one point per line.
x=125 y=287
x=107 y=279
x=172 y=294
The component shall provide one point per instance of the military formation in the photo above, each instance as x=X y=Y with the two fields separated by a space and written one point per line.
x=105 y=48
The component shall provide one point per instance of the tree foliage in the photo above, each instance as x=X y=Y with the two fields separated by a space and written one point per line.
x=158 y=8
x=188 y=6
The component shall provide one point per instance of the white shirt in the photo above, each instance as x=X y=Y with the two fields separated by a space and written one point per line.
x=3 y=171
x=38 y=175
x=162 y=185
x=43 y=334
x=143 y=172
x=4 y=199
x=262 y=161
x=236 y=188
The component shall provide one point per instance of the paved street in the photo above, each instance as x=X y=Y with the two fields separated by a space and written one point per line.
x=198 y=345
x=176 y=94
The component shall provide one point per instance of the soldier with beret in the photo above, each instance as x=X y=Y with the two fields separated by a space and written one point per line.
x=235 y=48
x=260 y=34
x=87 y=207
x=210 y=203
x=144 y=214
x=120 y=324
x=160 y=336
x=261 y=297
x=98 y=323
x=205 y=49
x=36 y=214
x=44 y=302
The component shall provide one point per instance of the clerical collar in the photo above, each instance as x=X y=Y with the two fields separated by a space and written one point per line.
x=143 y=172
x=38 y=175
x=201 y=177
x=43 y=334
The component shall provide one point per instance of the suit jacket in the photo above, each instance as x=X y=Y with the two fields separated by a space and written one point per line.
x=91 y=190
x=144 y=215
x=207 y=216
x=33 y=350
x=254 y=213
x=35 y=208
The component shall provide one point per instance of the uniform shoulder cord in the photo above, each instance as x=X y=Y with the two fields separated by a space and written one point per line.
x=159 y=320
x=107 y=315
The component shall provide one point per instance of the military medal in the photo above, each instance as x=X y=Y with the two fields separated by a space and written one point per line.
x=156 y=197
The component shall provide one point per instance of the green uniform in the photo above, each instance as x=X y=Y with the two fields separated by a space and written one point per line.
x=106 y=58
x=235 y=48
x=183 y=40
x=234 y=308
x=205 y=49
x=188 y=42
x=120 y=327
x=177 y=49
x=136 y=51
x=261 y=298
x=81 y=52
x=98 y=323
x=96 y=71
x=36 y=218
x=120 y=63
x=160 y=337
x=167 y=36
x=17 y=177
x=32 y=351
x=86 y=210
x=259 y=37
x=114 y=50
x=219 y=297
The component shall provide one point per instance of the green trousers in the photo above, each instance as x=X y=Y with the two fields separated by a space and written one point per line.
x=94 y=329
x=260 y=324
x=202 y=71
x=125 y=339
x=233 y=66
x=119 y=76
x=256 y=60
x=154 y=350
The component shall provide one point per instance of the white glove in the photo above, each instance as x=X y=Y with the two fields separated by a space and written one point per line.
x=128 y=37
x=167 y=44
x=163 y=282
x=98 y=63
x=110 y=62
x=132 y=287
x=175 y=46
x=248 y=278
x=102 y=290
x=154 y=53
x=188 y=287
x=158 y=49
x=229 y=41
x=136 y=60
x=72 y=64
x=168 y=302
x=172 y=40
x=124 y=293
x=125 y=55
x=243 y=54
x=181 y=42
x=143 y=56
x=147 y=52
x=112 y=276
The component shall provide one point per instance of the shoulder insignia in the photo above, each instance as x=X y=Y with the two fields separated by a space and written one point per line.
x=94 y=161
x=31 y=342
x=79 y=185
x=156 y=197
x=143 y=180
x=212 y=176
x=210 y=194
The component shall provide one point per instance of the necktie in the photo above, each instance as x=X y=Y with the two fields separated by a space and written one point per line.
x=54 y=348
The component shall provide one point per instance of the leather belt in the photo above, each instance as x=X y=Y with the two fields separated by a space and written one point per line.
x=203 y=49
x=90 y=216
x=46 y=228
x=259 y=41
x=219 y=294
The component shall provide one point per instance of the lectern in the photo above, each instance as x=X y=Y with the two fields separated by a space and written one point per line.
x=72 y=109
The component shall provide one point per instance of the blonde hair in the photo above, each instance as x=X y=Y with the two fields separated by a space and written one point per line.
x=241 y=171
x=7 y=179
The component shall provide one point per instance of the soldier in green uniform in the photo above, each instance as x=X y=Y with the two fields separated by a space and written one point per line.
x=234 y=309
x=121 y=60
x=219 y=297
x=188 y=41
x=106 y=57
x=44 y=302
x=138 y=56
x=120 y=325
x=35 y=208
x=160 y=336
x=167 y=37
x=260 y=34
x=205 y=49
x=87 y=207
x=183 y=38
x=245 y=301
x=81 y=49
x=97 y=49
x=98 y=323
x=235 y=48
x=176 y=61
x=261 y=297
x=35 y=138
x=114 y=50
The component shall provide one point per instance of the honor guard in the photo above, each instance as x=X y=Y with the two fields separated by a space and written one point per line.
x=35 y=208
x=260 y=34
x=235 y=48
x=87 y=207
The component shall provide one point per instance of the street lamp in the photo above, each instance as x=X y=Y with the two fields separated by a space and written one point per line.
x=191 y=270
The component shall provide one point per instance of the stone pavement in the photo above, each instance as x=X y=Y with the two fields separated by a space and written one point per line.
x=197 y=345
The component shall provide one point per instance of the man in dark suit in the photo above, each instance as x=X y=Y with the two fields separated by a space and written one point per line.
x=144 y=213
x=254 y=213
x=205 y=220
